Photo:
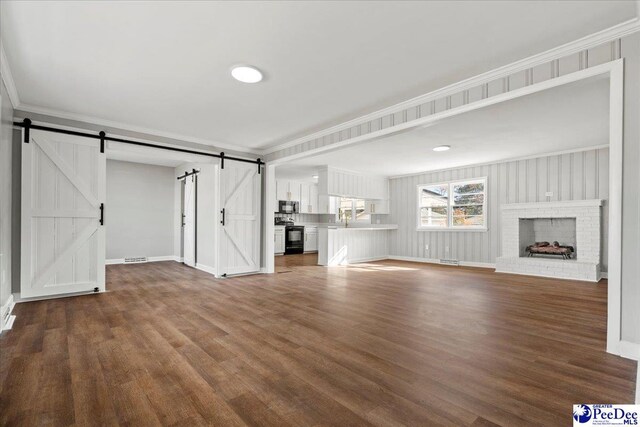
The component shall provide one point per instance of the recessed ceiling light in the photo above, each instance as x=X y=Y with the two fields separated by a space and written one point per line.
x=442 y=148
x=246 y=74
x=314 y=176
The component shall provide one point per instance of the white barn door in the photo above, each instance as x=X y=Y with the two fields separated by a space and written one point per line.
x=189 y=221
x=63 y=193
x=240 y=197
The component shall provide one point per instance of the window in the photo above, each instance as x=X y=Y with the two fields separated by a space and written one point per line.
x=352 y=210
x=458 y=205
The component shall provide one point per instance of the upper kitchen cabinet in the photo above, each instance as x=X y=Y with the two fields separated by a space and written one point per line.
x=288 y=190
x=337 y=182
x=305 y=193
x=308 y=198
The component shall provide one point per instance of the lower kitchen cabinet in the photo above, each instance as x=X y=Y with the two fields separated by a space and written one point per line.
x=311 y=239
x=279 y=240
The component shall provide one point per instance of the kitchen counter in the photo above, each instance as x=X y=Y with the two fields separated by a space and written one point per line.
x=368 y=227
x=340 y=245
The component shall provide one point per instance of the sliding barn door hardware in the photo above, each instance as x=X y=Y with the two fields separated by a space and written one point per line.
x=27 y=125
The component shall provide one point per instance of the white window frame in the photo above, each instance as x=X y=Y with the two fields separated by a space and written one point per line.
x=450 y=226
x=353 y=210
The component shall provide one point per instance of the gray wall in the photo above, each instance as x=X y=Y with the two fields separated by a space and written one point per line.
x=139 y=210
x=575 y=176
x=6 y=135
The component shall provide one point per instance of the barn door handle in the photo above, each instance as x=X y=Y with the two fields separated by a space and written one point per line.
x=222 y=212
x=101 y=213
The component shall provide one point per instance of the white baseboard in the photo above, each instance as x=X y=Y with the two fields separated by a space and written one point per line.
x=437 y=261
x=604 y=275
x=6 y=319
x=206 y=268
x=149 y=259
x=629 y=350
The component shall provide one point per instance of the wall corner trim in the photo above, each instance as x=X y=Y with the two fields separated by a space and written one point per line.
x=7 y=78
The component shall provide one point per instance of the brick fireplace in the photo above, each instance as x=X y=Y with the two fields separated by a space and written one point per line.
x=574 y=224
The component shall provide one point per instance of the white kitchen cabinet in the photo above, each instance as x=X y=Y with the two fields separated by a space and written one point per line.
x=288 y=190
x=311 y=239
x=338 y=182
x=327 y=204
x=279 y=240
x=377 y=206
x=308 y=198
x=282 y=190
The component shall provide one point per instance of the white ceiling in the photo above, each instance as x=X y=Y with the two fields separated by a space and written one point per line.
x=151 y=156
x=568 y=117
x=165 y=66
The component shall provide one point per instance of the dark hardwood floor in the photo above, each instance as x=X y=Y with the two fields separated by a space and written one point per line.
x=386 y=343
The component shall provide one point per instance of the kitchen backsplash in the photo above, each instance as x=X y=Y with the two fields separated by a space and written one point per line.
x=309 y=218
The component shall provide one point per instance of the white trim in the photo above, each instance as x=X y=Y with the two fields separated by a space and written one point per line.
x=628 y=349
x=587 y=42
x=7 y=78
x=510 y=159
x=149 y=259
x=450 y=206
x=602 y=69
x=6 y=319
x=553 y=205
x=206 y=268
x=604 y=275
x=437 y=261
x=616 y=141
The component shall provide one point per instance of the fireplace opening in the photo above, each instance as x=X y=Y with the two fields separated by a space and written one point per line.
x=548 y=238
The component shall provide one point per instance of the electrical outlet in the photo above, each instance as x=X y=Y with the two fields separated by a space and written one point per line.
x=426 y=247
x=446 y=249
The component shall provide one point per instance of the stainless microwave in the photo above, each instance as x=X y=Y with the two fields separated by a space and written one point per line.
x=286 y=207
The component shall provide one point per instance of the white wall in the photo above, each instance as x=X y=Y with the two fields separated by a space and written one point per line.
x=207 y=213
x=139 y=210
x=575 y=176
x=6 y=134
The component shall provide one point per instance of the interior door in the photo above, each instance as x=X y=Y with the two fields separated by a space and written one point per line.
x=189 y=221
x=240 y=197
x=63 y=231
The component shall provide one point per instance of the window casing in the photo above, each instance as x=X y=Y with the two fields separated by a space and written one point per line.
x=455 y=205
x=354 y=210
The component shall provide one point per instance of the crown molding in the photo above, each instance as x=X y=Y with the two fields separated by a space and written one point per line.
x=27 y=108
x=7 y=78
x=596 y=39
x=508 y=160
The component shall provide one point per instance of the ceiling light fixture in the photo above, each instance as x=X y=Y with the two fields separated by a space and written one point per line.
x=442 y=148
x=246 y=74
x=314 y=176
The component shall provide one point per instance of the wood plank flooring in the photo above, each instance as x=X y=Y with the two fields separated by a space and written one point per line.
x=387 y=343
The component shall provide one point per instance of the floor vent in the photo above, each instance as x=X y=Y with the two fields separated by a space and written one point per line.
x=135 y=260
x=449 y=261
